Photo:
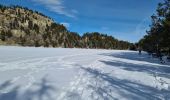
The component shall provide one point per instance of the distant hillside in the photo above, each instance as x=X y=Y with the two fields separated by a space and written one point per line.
x=21 y=26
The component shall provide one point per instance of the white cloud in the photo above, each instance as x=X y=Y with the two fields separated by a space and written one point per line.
x=65 y=24
x=58 y=7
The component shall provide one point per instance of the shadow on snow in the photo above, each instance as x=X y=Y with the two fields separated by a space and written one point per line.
x=42 y=92
x=152 y=66
x=103 y=85
x=136 y=57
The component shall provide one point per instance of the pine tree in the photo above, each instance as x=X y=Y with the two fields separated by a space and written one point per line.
x=159 y=34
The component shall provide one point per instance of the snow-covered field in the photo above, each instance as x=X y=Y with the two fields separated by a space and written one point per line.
x=28 y=73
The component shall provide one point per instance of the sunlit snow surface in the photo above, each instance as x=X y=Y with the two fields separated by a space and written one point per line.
x=28 y=73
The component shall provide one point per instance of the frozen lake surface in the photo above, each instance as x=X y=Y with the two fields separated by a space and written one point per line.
x=28 y=73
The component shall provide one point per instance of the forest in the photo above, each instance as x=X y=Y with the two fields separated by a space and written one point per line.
x=158 y=36
x=25 y=27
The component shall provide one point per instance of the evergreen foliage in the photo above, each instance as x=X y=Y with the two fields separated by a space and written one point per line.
x=158 y=37
x=30 y=28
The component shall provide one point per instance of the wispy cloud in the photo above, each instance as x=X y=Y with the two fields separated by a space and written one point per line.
x=58 y=7
x=142 y=26
x=65 y=24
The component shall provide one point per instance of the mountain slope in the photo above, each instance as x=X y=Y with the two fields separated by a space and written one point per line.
x=26 y=27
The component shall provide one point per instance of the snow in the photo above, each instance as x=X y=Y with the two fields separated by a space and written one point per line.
x=28 y=73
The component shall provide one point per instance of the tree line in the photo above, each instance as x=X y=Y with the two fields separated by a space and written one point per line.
x=158 y=36
x=52 y=34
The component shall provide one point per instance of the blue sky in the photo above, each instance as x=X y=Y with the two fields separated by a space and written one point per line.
x=124 y=19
